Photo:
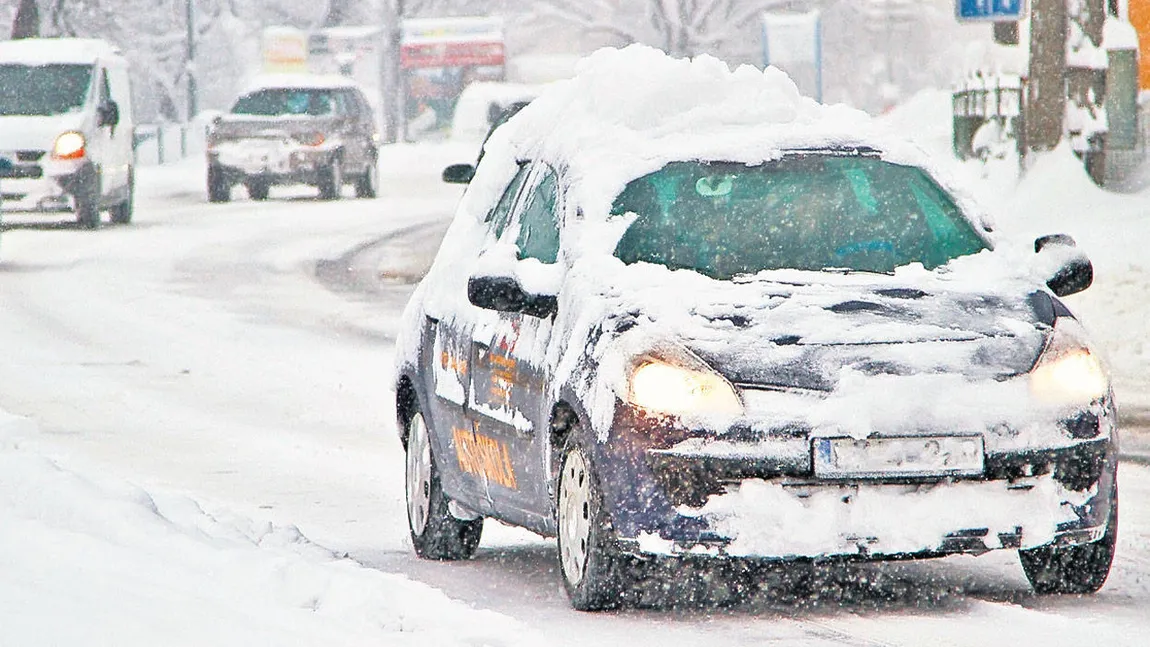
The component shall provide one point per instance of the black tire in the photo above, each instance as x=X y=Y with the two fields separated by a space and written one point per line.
x=331 y=180
x=218 y=188
x=88 y=203
x=1073 y=569
x=122 y=213
x=257 y=189
x=367 y=184
x=589 y=562
x=435 y=532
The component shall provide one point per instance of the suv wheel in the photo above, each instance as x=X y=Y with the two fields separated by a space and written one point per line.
x=331 y=180
x=218 y=188
x=367 y=185
x=257 y=189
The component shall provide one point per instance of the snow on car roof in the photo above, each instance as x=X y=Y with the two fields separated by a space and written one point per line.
x=40 y=51
x=304 y=81
x=630 y=111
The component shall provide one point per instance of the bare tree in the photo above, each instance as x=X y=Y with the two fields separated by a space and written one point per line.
x=679 y=27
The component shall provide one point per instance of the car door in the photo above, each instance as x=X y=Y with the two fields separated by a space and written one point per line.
x=507 y=396
x=464 y=469
x=354 y=135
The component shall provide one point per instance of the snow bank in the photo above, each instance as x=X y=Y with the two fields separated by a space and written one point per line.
x=92 y=561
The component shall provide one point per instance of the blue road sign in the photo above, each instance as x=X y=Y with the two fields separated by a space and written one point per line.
x=989 y=10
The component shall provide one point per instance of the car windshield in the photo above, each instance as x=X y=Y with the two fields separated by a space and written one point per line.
x=274 y=102
x=805 y=211
x=49 y=89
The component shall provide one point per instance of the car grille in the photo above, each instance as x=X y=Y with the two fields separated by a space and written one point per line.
x=22 y=171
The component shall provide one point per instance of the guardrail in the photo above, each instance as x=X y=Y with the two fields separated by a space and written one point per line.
x=156 y=144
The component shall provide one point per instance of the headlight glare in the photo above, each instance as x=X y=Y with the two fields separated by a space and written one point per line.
x=1068 y=373
x=667 y=388
x=1074 y=377
x=69 y=145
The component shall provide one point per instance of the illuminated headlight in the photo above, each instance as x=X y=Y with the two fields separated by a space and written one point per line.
x=1068 y=373
x=662 y=387
x=310 y=139
x=69 y=146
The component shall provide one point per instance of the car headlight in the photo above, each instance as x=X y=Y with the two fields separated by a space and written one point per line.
x=1067 y=372
x=69 y=146
x=663 y=387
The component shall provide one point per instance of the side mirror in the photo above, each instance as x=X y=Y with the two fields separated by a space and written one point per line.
x=1069 y=270
x=504 y=294
x=109 y=114
x=458 y=173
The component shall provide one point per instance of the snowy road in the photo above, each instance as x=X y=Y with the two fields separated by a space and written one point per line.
x=240 y=355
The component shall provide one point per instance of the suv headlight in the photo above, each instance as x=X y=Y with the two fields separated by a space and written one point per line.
x=69 y=146
x=1068 y=372
x=664 y=387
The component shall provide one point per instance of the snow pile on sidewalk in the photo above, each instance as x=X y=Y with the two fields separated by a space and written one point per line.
x=90 y=561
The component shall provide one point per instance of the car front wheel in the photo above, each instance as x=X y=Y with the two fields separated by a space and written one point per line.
x=588 y=559
x=435 y=532
x=331 y=180
x=1073 y=569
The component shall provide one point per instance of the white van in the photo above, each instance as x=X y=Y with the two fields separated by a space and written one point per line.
x=66 y=129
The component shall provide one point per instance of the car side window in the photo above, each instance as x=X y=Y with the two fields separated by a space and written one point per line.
x=500 y=215
x=538 y=219
x=346 y=105
x=105 y=89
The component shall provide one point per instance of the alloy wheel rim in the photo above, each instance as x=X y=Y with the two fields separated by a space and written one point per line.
x=418 y=475
x=574 y=516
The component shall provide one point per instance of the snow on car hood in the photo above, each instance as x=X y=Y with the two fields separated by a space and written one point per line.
x=802 y=329
x=36 y=132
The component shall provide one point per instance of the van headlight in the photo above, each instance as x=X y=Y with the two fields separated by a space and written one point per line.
x=664 y=387
x=69 y=146
x=1068 y=372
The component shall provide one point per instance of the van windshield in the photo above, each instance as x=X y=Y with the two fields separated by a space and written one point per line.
x=49 y=89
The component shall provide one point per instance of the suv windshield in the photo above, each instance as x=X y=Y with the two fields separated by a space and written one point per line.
x=49 y=89
x=284 y=101
x=806 y=211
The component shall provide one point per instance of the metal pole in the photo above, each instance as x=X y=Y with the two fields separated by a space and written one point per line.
x=394 y=98
x=191 y=62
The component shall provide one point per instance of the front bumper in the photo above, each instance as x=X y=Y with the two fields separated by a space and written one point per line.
x=44 y=185
x=671 y=492
x=275 y=163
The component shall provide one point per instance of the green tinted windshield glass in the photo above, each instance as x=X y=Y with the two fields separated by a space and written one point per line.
x=808 y=211
x=49 y=89
x=282 y=101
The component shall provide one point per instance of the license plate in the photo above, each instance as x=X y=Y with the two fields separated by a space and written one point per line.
x=900 y=456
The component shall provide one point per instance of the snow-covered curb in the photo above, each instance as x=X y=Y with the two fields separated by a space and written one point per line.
x=95 y=561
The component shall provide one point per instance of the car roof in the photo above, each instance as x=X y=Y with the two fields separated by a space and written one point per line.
x=300 y=81
x=42 y=51
x=631 y=111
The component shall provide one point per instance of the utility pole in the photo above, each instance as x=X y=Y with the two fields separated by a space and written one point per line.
x=190 y=69
x=1046 y=89
x=393 y=82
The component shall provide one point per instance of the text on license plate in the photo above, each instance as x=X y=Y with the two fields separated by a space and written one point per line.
x=898 y=456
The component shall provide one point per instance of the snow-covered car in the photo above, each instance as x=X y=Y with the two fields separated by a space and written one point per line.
x=295 y=129
x=684 y=312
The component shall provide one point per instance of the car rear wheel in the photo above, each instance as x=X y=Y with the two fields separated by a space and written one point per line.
x=588 y=560
x=435 y=532
x=367 y=185
x=218 y=188
x=257 y=189
x=1073 y=569
x=122 y=213
x=331 y=180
